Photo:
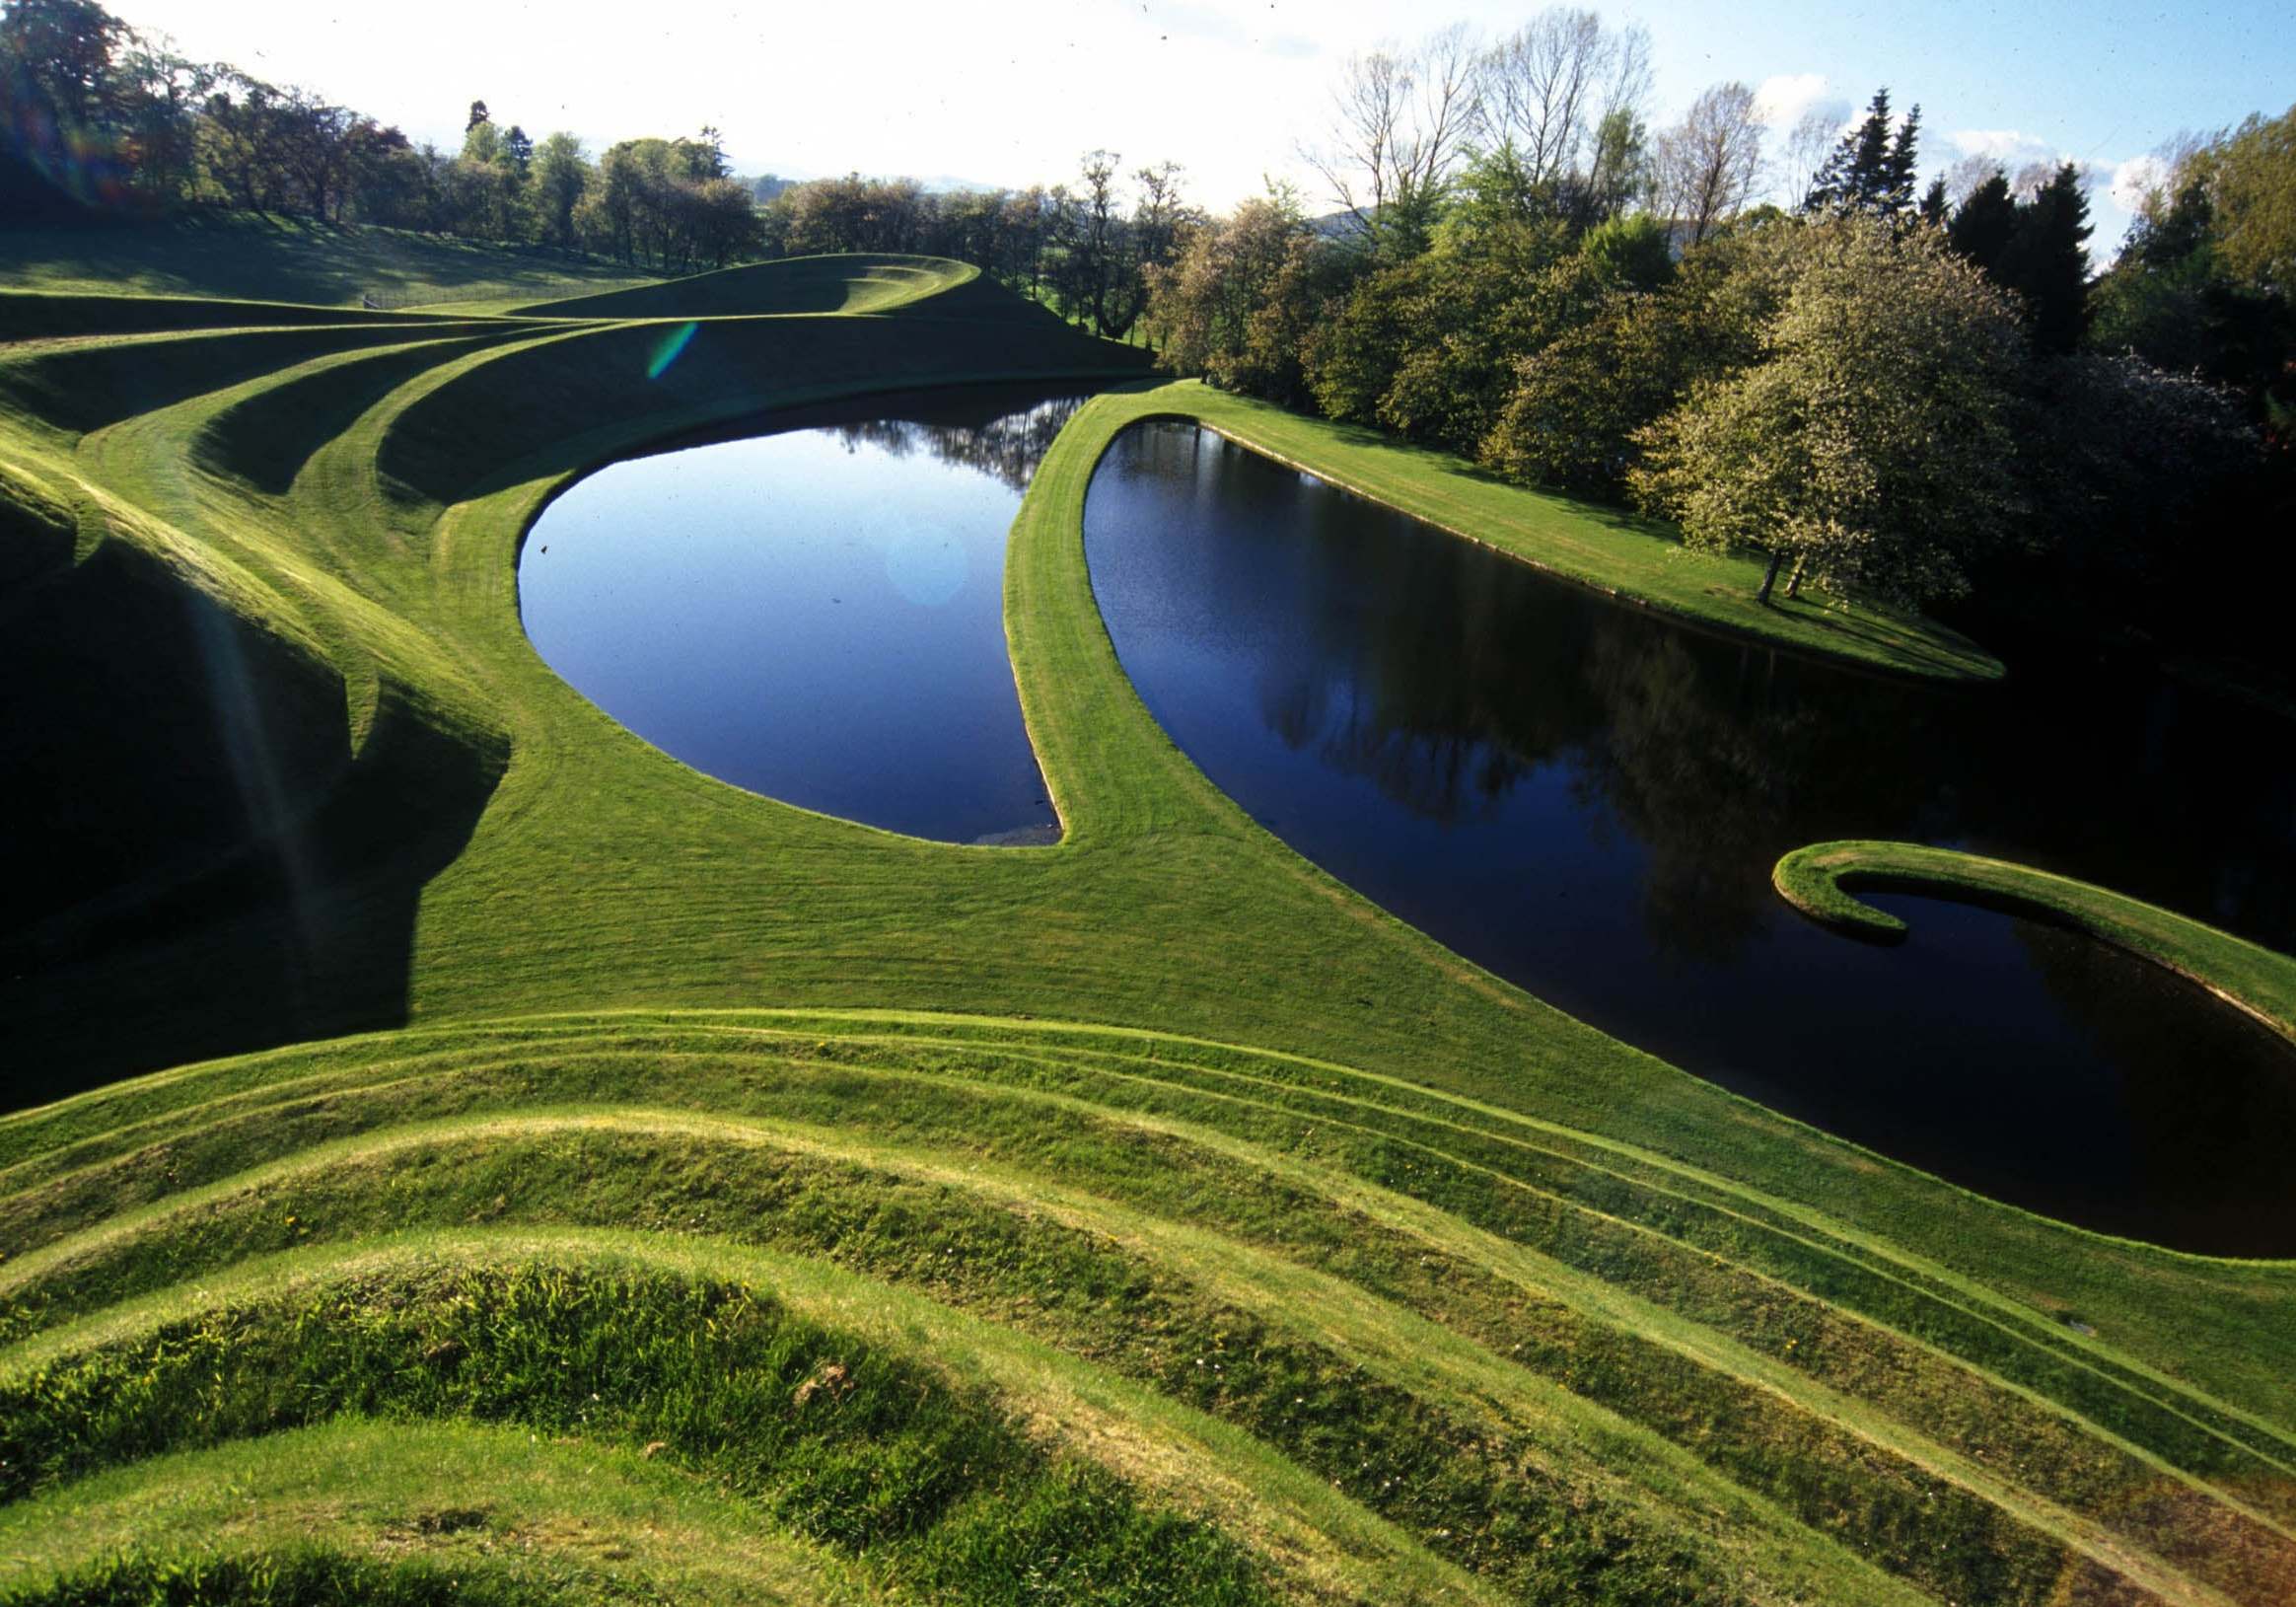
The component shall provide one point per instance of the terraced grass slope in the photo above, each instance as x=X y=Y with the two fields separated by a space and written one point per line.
x=733 y=1203
x=798 y=284
x=245 y=256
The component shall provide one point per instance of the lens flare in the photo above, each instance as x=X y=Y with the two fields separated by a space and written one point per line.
x=81 y=163
x=671 y=348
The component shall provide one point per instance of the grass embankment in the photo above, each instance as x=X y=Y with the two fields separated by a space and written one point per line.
x=1434 y=1295
x=798 y=284
x=241 y=255
x=1636 y=561
x=1821 y=881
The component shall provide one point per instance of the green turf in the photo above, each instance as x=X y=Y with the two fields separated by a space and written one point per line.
x=1241 y=1227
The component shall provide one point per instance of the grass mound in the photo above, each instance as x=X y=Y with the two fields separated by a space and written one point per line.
x=34 y=314
x=842 y=283
x=720 y=1196
x=242 y=256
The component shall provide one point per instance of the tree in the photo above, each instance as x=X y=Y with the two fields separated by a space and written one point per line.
x=1578 y=402
x=315 y=149
x=160 y=126
x=1709 y=164
x=1549 y=88
x=1983 y=222
x=1618 y=176
x=59 y=102
x=2250 y=177
x=2171 y=299
x=1399 y=129
x=2129 y=458
x=1871 y=170
x=390 y=182
x=2045 y=261
x=243 y=142
x=1629 y=254
x=1484 y=302
x=1092 y=268
x=1235 y=304
x=1809 y=143
x=1936 y=208
x=59 y=56
x=482 y=140
x=560 y=177
x=1876 y=443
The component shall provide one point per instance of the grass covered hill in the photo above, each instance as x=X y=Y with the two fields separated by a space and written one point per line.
x=253 y=256
x=555 y=1175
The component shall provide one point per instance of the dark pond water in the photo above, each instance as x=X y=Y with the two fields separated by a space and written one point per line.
x=818 y=614
x=1589 y=800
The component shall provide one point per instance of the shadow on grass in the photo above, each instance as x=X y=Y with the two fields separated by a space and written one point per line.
x=198 y=865
x=1893 y=644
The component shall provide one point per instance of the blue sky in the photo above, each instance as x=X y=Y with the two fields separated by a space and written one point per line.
x=1011 y=90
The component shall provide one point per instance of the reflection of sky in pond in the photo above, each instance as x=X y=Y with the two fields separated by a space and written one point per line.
x=1589 y=799
x=815 y=615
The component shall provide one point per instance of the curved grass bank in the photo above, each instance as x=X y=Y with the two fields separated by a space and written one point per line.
x=1822 y=882
x=1635 y=561
x=1241 y=1224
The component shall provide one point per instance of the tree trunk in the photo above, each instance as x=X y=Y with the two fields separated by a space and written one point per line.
x=1794 y=581
x=1769 y=578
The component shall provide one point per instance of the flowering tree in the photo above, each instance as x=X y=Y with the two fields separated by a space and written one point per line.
x=1875 y=443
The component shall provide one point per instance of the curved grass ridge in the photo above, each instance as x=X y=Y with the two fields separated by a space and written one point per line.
x=1380 y=1274
x=798 y=284
x=1150 y=1203
x=826 y=1434
x=438 y=1499
x=1822 y=882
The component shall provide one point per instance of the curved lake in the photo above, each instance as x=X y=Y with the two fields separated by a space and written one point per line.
x=1588 y=800
x=815 y=613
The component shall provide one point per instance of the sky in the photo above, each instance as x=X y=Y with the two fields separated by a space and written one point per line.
x=1011 y=92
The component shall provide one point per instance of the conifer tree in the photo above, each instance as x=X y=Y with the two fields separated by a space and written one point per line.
x=1936 y=208
x=1871 y=172
x=2046 y=261
x=1900 y=169
x=1982 y=223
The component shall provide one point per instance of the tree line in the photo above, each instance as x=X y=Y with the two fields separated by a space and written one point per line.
x=1886 y=389
x=1083 y=249
x=101 y=116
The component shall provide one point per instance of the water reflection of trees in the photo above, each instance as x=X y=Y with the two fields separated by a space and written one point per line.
x=2205 y=1095
x=1469 y=674
x=1451 y=677
x=1007 y=448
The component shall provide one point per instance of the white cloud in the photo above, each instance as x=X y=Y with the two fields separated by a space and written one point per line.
x=2134 y=178
x=1783 y=98
x=2007 y=146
